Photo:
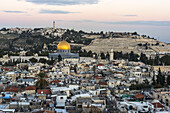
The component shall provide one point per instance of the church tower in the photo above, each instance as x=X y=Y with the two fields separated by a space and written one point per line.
x=111 y=54
x=53 y=25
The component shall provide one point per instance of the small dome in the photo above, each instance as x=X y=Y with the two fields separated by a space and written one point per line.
x=63 y=45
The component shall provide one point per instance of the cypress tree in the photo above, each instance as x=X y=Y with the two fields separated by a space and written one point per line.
x=159 y=77
x=108 y=55
x=103 y=56
x=59 y=58
x=168 y=80
x=153 y=80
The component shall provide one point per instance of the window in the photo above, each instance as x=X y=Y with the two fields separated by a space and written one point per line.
x=145 y=106
x=79 y=106
x=61 y=97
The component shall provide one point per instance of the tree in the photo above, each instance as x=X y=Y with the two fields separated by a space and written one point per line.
x=165 y=60
x=168 y=80
x=143 y=58
x=33 y=60
x=140 y=44
x=83 y=53
x=90 y=54
x=160 y=78
x=132 y=56
x=50 y=62
x=75 y=68
x=94 y=69
x=157 y=44
x=29 y=42
x=1 y=53
x=146 y=47
x=95 y=55
x=81 y=32
x=59 y=58
x=115 y=55
x=43 y=53
x=140 y=86
x=41 y=83
x=108 y=56
x=156 y=60
x=1 y=87
x=163 y=80
x=153 y=80
x=42 y=60
x=126 y=56
x=103 y=56
x=146 y=81
x=3 y=29
x=101 y=32
x=134 y=33
x=150 y=61
x=120 y=55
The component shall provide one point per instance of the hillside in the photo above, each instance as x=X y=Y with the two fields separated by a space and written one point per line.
x=34 y=40
x=25 y=41
x=127 y=45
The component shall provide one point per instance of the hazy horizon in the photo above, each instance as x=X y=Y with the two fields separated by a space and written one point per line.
x=145 y=17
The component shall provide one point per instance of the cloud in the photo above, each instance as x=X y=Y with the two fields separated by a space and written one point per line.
x=46 y=11
x=130 y=15
x=63 y=2
x=152 y=23
x=6 y=11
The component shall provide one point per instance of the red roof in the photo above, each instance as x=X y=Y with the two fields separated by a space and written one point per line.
x=139 y=96
x=100 y=65
x=102 y=83
x=30 y=88
x=83 y=81
x=11 y=89
x=6 y=69
x=97 y=77
x=55 y=81
x=157 y=105
x=47 y=77
x=86 y=66
x=47 y=111
x=44 y=91
x=119 y=72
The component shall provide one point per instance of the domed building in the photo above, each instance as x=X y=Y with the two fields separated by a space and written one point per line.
x=64 y=49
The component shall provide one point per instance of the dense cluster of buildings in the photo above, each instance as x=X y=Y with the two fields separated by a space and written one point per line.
x=80 y=84
x=47 y=32
x=102 y=42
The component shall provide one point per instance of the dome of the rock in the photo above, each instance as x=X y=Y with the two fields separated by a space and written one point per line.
x=63 y=45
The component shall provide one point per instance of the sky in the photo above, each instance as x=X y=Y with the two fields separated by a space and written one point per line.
x=148 y=17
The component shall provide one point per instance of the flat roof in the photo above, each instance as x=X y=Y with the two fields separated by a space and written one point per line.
x=3 y=106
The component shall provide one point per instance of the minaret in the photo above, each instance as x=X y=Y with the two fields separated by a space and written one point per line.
x=111 y=54
x=99 y=56
x=45 y=48
x=53 y=25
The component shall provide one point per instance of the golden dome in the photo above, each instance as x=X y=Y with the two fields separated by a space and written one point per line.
x=63 y=45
